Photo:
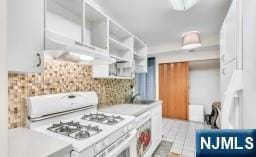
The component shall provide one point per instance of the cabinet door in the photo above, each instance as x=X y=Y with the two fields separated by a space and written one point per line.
x=25 y=35
x=156 y=126
x=226 y=74
x=222 y=43
x=230 y=35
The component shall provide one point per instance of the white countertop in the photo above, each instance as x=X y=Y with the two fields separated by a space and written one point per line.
x=130 y=109
x=26 y=143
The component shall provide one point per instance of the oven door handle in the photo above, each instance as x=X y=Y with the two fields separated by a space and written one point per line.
x=121 y=147
x=143 y=116
x=142 y=119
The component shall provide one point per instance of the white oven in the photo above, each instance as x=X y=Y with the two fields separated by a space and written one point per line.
x=124 y=147
x=143 y=135
x=96 y=134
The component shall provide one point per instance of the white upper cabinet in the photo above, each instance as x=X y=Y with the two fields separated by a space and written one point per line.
x=65 y=18
x=129 y=51
x=230 y=44
x=121 y=49
x=229 y=35
x=95 y=29
x=68 y=29
x=120 y=43
x=25 y=35
x=140 y=56
x=75 y=28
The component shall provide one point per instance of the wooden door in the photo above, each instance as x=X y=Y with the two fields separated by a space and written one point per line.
x=173 y=89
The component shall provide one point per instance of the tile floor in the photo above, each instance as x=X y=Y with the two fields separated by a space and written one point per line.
x=163 y=149
x=182 y=134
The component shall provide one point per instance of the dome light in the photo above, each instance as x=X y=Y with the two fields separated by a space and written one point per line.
x=191 y=40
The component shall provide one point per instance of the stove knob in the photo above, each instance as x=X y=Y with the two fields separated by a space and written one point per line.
x=97 y=148
x=106 y=142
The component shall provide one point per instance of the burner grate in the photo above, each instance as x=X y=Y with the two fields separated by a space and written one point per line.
x=102 y=118
x=75 y=130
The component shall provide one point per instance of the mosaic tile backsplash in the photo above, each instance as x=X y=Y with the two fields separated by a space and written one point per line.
x=59 y=77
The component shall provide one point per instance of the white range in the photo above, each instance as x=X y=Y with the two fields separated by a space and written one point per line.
x=73 y=117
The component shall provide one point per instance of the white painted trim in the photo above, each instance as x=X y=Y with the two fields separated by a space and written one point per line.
x=3 y=82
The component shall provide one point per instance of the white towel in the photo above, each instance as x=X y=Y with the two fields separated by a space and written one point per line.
x=235 y=85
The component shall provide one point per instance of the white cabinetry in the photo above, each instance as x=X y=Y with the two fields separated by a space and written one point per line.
x=140 y=56
x=156 y=126
x=230 y=44
x=68 y=28
x=64 y=17
x=121 y=49
x=76 y=23
x=129 y=51
x=229 y=35
x=25 y=35
x=120 y=43
x=225 y=77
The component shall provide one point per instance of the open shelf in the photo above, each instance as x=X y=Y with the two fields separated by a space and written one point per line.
x=113 y=71
x=95 y=27
x=138 y=45
x=126 y=55
x=79 y=22
x=121 y=35
x=139 y=56
x=118 y=45
x=64 y=17
x=120 y=59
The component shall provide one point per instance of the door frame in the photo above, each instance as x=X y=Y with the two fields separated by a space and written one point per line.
x=3 y=80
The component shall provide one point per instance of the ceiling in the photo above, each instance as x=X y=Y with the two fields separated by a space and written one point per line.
x=155 y=22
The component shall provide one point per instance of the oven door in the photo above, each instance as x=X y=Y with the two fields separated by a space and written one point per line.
x=143 y=125
x=143 y=138
x=124 y=147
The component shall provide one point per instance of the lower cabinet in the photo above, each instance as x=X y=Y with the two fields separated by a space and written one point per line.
x=156 y=128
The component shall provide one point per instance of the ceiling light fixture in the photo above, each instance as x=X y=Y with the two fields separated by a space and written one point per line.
x=181 y=5
x=191 y=40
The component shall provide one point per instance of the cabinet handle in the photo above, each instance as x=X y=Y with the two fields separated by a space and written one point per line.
x=39 y=60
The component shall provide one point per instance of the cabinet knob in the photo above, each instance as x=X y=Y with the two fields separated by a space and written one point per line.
x=39 y=60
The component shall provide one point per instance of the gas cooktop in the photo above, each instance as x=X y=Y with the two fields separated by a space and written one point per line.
x=75 y=129
x=103 y=118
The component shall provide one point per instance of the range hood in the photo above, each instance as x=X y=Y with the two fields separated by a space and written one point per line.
x=62 y=48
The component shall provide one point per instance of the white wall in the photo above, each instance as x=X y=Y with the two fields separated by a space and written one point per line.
x=204 y=83
x=3 y=83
